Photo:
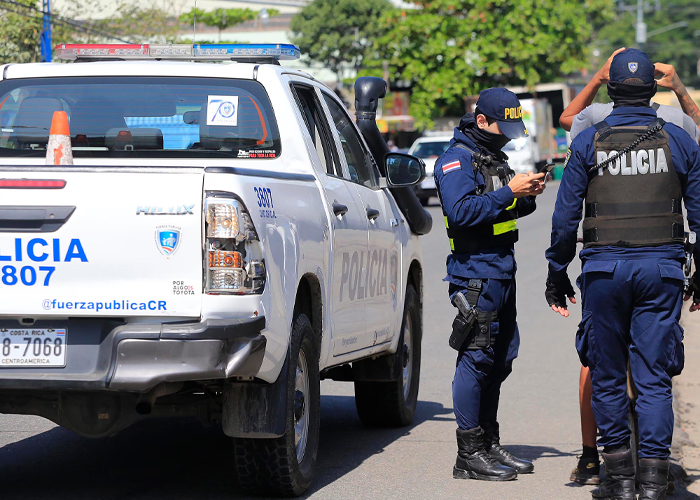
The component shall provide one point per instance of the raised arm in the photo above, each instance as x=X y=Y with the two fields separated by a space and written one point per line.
x=670 y=80
x=586 y=96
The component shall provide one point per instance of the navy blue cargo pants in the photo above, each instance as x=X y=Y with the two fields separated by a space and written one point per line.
x=479 y=374
x=631 y=310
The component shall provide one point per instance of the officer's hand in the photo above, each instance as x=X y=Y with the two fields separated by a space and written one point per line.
x=540 y=188
x=694 y=291
x=669 y=79
x=526 y=184
x=603 y=74
x=556 y=294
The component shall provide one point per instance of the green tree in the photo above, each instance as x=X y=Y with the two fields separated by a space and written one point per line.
x=20 y=29
x=223 y=19
x=21 y=26
x=678 y=46
x=451 y=49
x=338 y=33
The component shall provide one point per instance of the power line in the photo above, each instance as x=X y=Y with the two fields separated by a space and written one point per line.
x=82 y=27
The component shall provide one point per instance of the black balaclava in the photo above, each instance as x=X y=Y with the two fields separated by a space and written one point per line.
x=493 y=143
x=631 y=95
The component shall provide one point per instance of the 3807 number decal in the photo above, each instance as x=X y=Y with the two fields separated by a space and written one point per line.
x=26 y=275
x=267 y=208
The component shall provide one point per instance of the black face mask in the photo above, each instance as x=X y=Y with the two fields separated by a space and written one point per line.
x=493 y=143
x=627 y=95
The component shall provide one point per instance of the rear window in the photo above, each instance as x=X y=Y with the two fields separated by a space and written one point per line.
x=431 y=149
x=140 y=117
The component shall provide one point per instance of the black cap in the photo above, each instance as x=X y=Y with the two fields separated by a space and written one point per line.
x=503 y=106
x=632 y=63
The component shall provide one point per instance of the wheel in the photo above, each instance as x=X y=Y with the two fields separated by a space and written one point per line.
x=285 y=466
x=394 y=403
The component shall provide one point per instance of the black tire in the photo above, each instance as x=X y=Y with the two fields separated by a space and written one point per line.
x=387 y=404
x=271 y=466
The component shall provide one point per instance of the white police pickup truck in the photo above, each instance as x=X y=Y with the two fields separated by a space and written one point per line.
x=223 y=241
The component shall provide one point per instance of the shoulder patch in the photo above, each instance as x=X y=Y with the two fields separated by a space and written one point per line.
x=450 y=167
x=568 y=157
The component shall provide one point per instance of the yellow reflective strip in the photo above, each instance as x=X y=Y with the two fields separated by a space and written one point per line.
x=504 y=227
x=513 y=205
x=447 y=224
x=452 y=244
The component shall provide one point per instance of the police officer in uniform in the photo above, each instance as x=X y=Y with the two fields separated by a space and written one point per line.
x=628 y=175
x=481 y=199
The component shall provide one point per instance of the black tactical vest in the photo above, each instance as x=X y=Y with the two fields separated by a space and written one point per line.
x=501 y=231
x=635 y=201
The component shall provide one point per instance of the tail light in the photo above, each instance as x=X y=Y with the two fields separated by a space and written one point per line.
x=234 y=263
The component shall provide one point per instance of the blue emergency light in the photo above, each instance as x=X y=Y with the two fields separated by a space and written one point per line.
x=197 y=52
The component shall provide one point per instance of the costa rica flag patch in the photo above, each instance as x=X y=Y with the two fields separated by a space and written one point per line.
x=449 y=167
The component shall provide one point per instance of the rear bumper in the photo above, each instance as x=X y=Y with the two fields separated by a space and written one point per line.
x=107 y=355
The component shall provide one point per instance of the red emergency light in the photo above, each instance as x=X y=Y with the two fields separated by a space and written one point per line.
x=31 y=184
x=74 y=50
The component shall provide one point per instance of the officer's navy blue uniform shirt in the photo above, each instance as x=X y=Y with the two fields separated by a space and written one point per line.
x=464 y=208
x=685 y=155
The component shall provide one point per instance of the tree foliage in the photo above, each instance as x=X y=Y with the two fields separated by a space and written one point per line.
x=21 y=26
x=338 y=33
x=678 y=46
x=20 y=29
x=223 y=19
x=451 y=49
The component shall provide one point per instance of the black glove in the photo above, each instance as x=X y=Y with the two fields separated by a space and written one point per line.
x=694 y=287
x=558 y=290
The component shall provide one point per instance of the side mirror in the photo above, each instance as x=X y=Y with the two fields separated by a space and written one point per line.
x=403 y=170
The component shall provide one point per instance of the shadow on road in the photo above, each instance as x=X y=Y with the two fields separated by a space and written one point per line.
x=534 y=452
x=176 y=459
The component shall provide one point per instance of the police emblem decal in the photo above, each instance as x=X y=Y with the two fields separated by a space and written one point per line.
x=633 y=67
x=168 y=239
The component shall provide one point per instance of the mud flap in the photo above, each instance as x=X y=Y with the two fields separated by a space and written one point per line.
x=256 y=410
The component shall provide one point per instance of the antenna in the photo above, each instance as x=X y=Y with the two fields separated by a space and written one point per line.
x=194 y=24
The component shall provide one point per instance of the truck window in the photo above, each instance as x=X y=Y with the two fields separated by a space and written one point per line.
x=317 y=126
x=359 y=161
x=140 y=117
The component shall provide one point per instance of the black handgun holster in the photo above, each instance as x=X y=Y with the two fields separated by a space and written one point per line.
x=476 y=336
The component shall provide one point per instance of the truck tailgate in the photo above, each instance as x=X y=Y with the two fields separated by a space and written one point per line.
x=130 y=245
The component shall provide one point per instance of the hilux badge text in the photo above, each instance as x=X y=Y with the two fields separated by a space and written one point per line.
x=158 y=210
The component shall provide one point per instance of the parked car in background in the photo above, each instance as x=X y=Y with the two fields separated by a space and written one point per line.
x=429 y=149
x=520 y=155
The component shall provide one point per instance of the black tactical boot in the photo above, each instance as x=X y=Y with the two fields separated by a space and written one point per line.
x=473 y=462
x=619 y=480
x=653 y=479
x=492 y=443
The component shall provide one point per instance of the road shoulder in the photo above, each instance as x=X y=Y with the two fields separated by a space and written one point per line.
x=687 y=389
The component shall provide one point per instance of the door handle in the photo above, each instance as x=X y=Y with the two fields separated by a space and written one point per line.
x=339 y=210
x=372 y=214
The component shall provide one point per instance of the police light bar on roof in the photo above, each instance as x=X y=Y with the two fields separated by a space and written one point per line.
x=205 y=52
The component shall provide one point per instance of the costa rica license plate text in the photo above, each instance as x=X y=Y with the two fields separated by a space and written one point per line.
x=32 y=347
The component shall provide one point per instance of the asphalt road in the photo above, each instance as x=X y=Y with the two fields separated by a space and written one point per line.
x=173 y=460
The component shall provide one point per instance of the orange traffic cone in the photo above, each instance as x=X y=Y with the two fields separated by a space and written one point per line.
x=59 y=150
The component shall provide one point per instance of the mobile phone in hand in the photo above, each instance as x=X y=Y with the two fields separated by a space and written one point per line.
x=546 y=169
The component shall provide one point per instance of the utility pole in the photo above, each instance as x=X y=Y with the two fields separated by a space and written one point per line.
x=45 y=40
x=641 y=31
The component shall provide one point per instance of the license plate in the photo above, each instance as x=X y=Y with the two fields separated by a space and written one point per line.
x=32 y=347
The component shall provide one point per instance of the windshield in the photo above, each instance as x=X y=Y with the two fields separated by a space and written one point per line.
x=431 y=149
x=140 y=117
